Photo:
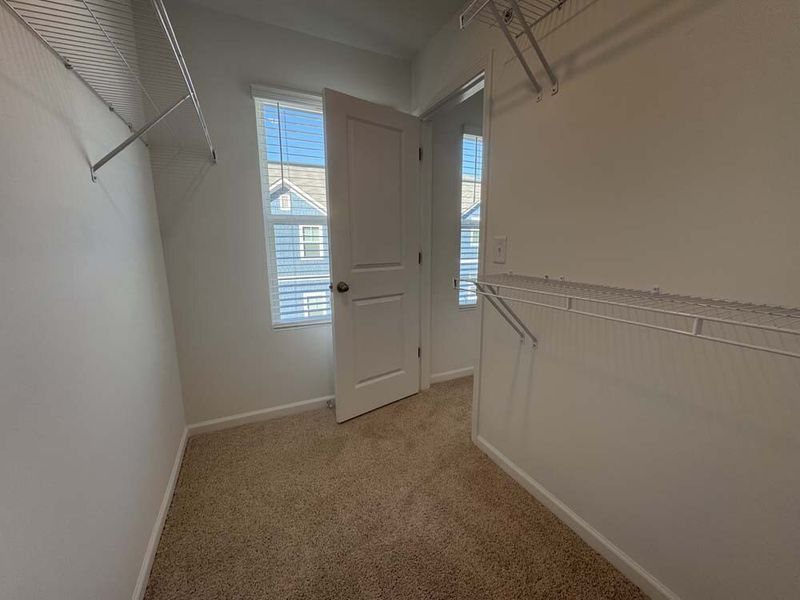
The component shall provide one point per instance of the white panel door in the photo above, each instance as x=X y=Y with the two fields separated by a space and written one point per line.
x=373 y=203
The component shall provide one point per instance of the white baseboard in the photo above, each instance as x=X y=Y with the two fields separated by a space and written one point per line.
x=454 y=374
x=155 y=535
x=255 y=416
x=629 y=567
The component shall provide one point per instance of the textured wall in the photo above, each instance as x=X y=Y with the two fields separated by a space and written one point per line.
x=90 y=398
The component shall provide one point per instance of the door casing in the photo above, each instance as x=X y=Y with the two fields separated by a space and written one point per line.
x=453 y=88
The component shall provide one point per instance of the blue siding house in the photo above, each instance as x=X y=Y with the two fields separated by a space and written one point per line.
x=300 y=261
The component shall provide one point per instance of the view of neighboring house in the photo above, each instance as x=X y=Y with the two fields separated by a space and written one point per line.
x=298 y=235
x=470 y=245
x=471 y=177
x=295 y=213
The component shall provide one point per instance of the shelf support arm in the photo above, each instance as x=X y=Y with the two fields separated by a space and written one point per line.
x=498 y=308
x=534 y=44
x=513 y=315
x=501 y=22
x=135 y=136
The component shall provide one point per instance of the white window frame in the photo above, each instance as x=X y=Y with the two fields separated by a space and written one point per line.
x=300 y=100
x=285 y=202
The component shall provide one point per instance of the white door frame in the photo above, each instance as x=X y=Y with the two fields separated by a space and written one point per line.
x=451 y=90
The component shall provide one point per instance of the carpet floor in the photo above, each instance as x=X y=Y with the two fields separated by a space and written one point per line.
x=396 y=504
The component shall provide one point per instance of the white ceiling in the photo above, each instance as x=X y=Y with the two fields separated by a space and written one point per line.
x=394 y=27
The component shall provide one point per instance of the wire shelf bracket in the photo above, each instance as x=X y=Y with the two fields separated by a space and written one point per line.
x=517 y=18
x=125 y=52
x=776 y=329
x=136 y=135
x=505 y=311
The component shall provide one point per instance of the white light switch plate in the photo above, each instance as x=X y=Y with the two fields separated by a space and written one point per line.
x=499 y=249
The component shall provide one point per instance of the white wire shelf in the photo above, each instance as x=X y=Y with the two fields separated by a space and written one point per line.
x=516 y=18
x=533 y=10
x=765 y=328
x=126 y=52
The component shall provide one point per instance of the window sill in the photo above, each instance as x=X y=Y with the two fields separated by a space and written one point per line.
x=303 y=325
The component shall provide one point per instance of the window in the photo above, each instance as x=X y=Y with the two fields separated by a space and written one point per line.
x=291 y=145
x=311 y=244
x=316 y=305
x=471 y=174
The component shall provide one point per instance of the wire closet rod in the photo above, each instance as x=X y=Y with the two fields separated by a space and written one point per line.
x=570 y=296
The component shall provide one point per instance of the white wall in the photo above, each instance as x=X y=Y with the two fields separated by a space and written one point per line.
x=231 y=359
x=669 y=157
x=454 y=330
x=90 y=399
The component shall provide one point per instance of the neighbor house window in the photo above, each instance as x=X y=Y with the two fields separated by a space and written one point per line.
x=471 y=172
x=311 y=241
x=316 y=305
x=291 y=145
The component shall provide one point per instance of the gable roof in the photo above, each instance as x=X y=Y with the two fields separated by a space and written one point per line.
x=308 y=182
x=279 y=187
x=470 y=210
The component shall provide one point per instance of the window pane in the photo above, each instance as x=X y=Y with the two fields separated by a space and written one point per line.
x=312 y=241
x=471 y=174
x=292 y=151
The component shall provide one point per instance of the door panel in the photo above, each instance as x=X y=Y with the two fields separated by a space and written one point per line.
x=375 y=162
x=373 y=199
x=379 y=340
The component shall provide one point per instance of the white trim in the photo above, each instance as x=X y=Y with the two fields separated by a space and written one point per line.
x=624 y=563
x=486 y=125
x=471 y=129
x=454 y=374
x=467 y=87
x=297 y=98
x=475 y=78
x=426 y=247
x=265 y=414
x=464 y=81
x=288 y=204
x=155 y=535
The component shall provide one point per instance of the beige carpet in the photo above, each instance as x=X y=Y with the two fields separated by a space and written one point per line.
x=395 y=504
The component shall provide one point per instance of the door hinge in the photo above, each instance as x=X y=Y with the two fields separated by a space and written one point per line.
x=420 y=258
x=419 y=352
x=420 y=153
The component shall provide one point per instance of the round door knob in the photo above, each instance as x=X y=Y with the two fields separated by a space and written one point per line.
x=342 y=287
